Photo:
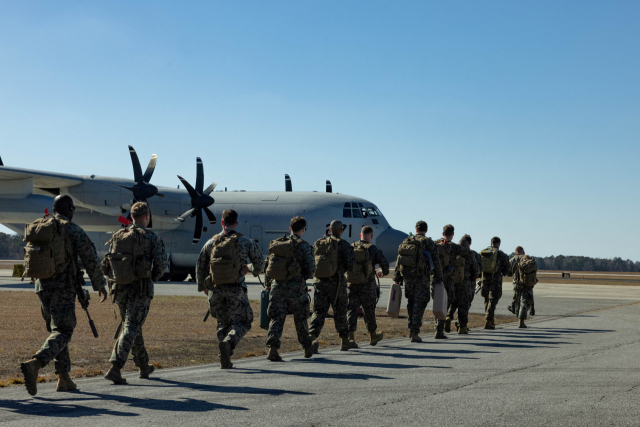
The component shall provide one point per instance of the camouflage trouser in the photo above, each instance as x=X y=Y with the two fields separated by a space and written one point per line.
x=134 y=308
x=491 y=294
x=364 y=295
x=462 y=303
x=230 y=306
x=450 y=288
x=281 y=297
x=324 y=296
x=58 y=308
x=418 y=296
x=523 y=299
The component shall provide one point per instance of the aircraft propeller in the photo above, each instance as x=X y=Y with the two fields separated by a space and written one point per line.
x=142 y=190
x=200 y=201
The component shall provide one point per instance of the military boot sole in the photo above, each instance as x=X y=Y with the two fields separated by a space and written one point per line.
x=145 y=374
x=67 y=387
x=447 y=325
x=30 y=378
x=115 y=378
x=441 y=337
x=311 y=350
x=416 y=338
x=376 y=338
x=225 y=355
x=353 y=344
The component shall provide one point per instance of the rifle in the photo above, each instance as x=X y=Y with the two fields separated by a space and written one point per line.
x=83 y=298
x=478 y=287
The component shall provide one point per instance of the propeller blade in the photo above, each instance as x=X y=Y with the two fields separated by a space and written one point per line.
x=1 y=164
x=210 y=188
x=128 y=188
x=137 y=170
x=211 y=216
x=150 y=168
x=185 y=215
x=287 y=183
x=198 y=231
x=199 y=175
x=188 y=186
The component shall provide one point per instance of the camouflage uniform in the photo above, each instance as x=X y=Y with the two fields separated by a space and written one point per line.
x=58 y=298
x=294 y=294
x=229 y=302
x=522 y=295
x=478 y=276
x=492 y=285
x=366 y=294
x=416 y=285
x=133 y=302
x=453 y=250
x=464 y=291
x=326 y=291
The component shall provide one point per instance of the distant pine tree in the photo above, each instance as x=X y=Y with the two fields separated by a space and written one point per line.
x=584 y=263
x=11 y=246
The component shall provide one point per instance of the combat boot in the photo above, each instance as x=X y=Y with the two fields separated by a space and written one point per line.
x=30 y=371
x=273 y=354
x=488 y=324
x=447 y=325
x=65 y=383
x=375 y=337
x=440 y=328
x=314 y=338
x=146 y=370
x=415 y=337
x=345 y=346
x=462 y=330
x=521 y=324
x=115 y=375
x=225 y=355
x=311 y=349
x=352 y=340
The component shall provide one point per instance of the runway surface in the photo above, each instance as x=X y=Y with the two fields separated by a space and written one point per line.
x=577 y=364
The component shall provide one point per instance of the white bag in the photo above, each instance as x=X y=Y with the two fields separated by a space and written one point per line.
x=440 y=302
x=395 y=297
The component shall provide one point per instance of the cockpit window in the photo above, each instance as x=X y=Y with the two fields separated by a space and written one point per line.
x=346 y=213
x=372 y=212
x=357 y=213
x=347 y=205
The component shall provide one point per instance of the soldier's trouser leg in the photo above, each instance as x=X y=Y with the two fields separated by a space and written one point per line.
x=421 y=299
x=340 y=310
x=453 y=307
x=409 y=291
x=355 y=301
x=368 y=299
x=233 y=311
x=516 y=302
x=462 y=302
x=134 y=308
x=58 y=308
x=300 y=318
x=322 y=299
x=277 y=312
x=526 y=298
x=492 y=299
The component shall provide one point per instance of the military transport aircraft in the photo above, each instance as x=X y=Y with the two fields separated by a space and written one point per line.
x=177 y=214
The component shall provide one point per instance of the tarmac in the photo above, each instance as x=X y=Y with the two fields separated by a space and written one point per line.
x=576 y=364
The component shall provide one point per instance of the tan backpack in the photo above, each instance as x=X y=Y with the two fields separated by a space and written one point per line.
x=458 y=275
x=446 y=259
x=225 y=264
x=363 y=266
x=326 y=254
x=48 y=248
x=282 y=263
x=126 y=258
x=411 y=255
x=489 y=258
x=526 y=274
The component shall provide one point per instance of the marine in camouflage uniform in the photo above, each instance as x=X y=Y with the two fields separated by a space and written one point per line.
x=57 y=296
x=522 y=295
x=292 y=293
x=417 y=285
x=478 y=276
x=491 y=286
x=228 y=302
x=465 y=290
x=366 y=294
x=133 y=301
x=332 y=292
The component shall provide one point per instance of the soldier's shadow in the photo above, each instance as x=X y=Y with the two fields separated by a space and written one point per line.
x=224 y=389
x=337 y=376
x=323 y=361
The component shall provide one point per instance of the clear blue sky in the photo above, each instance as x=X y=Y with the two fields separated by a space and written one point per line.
x=517 y=119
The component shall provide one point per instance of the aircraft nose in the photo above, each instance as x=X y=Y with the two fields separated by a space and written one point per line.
x=389 y=241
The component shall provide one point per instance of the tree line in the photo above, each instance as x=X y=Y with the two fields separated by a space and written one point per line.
x=11 y=246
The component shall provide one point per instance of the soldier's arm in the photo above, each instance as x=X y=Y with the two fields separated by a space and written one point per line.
x=159 y=257
x=255 y=256
x=512 y=265
x=506 y=265
x=88 y=255
x=202 y=266
x=437 y=268
x=378 y=258
x=309 y=260
x=349 y=255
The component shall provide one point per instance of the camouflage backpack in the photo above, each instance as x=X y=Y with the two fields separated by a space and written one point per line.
x=326 y=254
x=126 y=261
x=225 y=264
x=489 y=258
x=363 y=266
x=446 y=259
x=48 y=248
x=458 y=275
x=526 y=273
x=411 y=255
x=282 y=263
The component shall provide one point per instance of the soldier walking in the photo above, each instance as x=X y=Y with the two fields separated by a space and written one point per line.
x=464 y=286
x=136 y=260
x=523 y=269
x=220 y=271
x=290 y=263
x=334 y=257
x=495 y=264
x=57 y=292
x=362 y=289
x=417 y=259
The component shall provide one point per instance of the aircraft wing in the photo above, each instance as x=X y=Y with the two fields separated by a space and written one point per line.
x=21 y=182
